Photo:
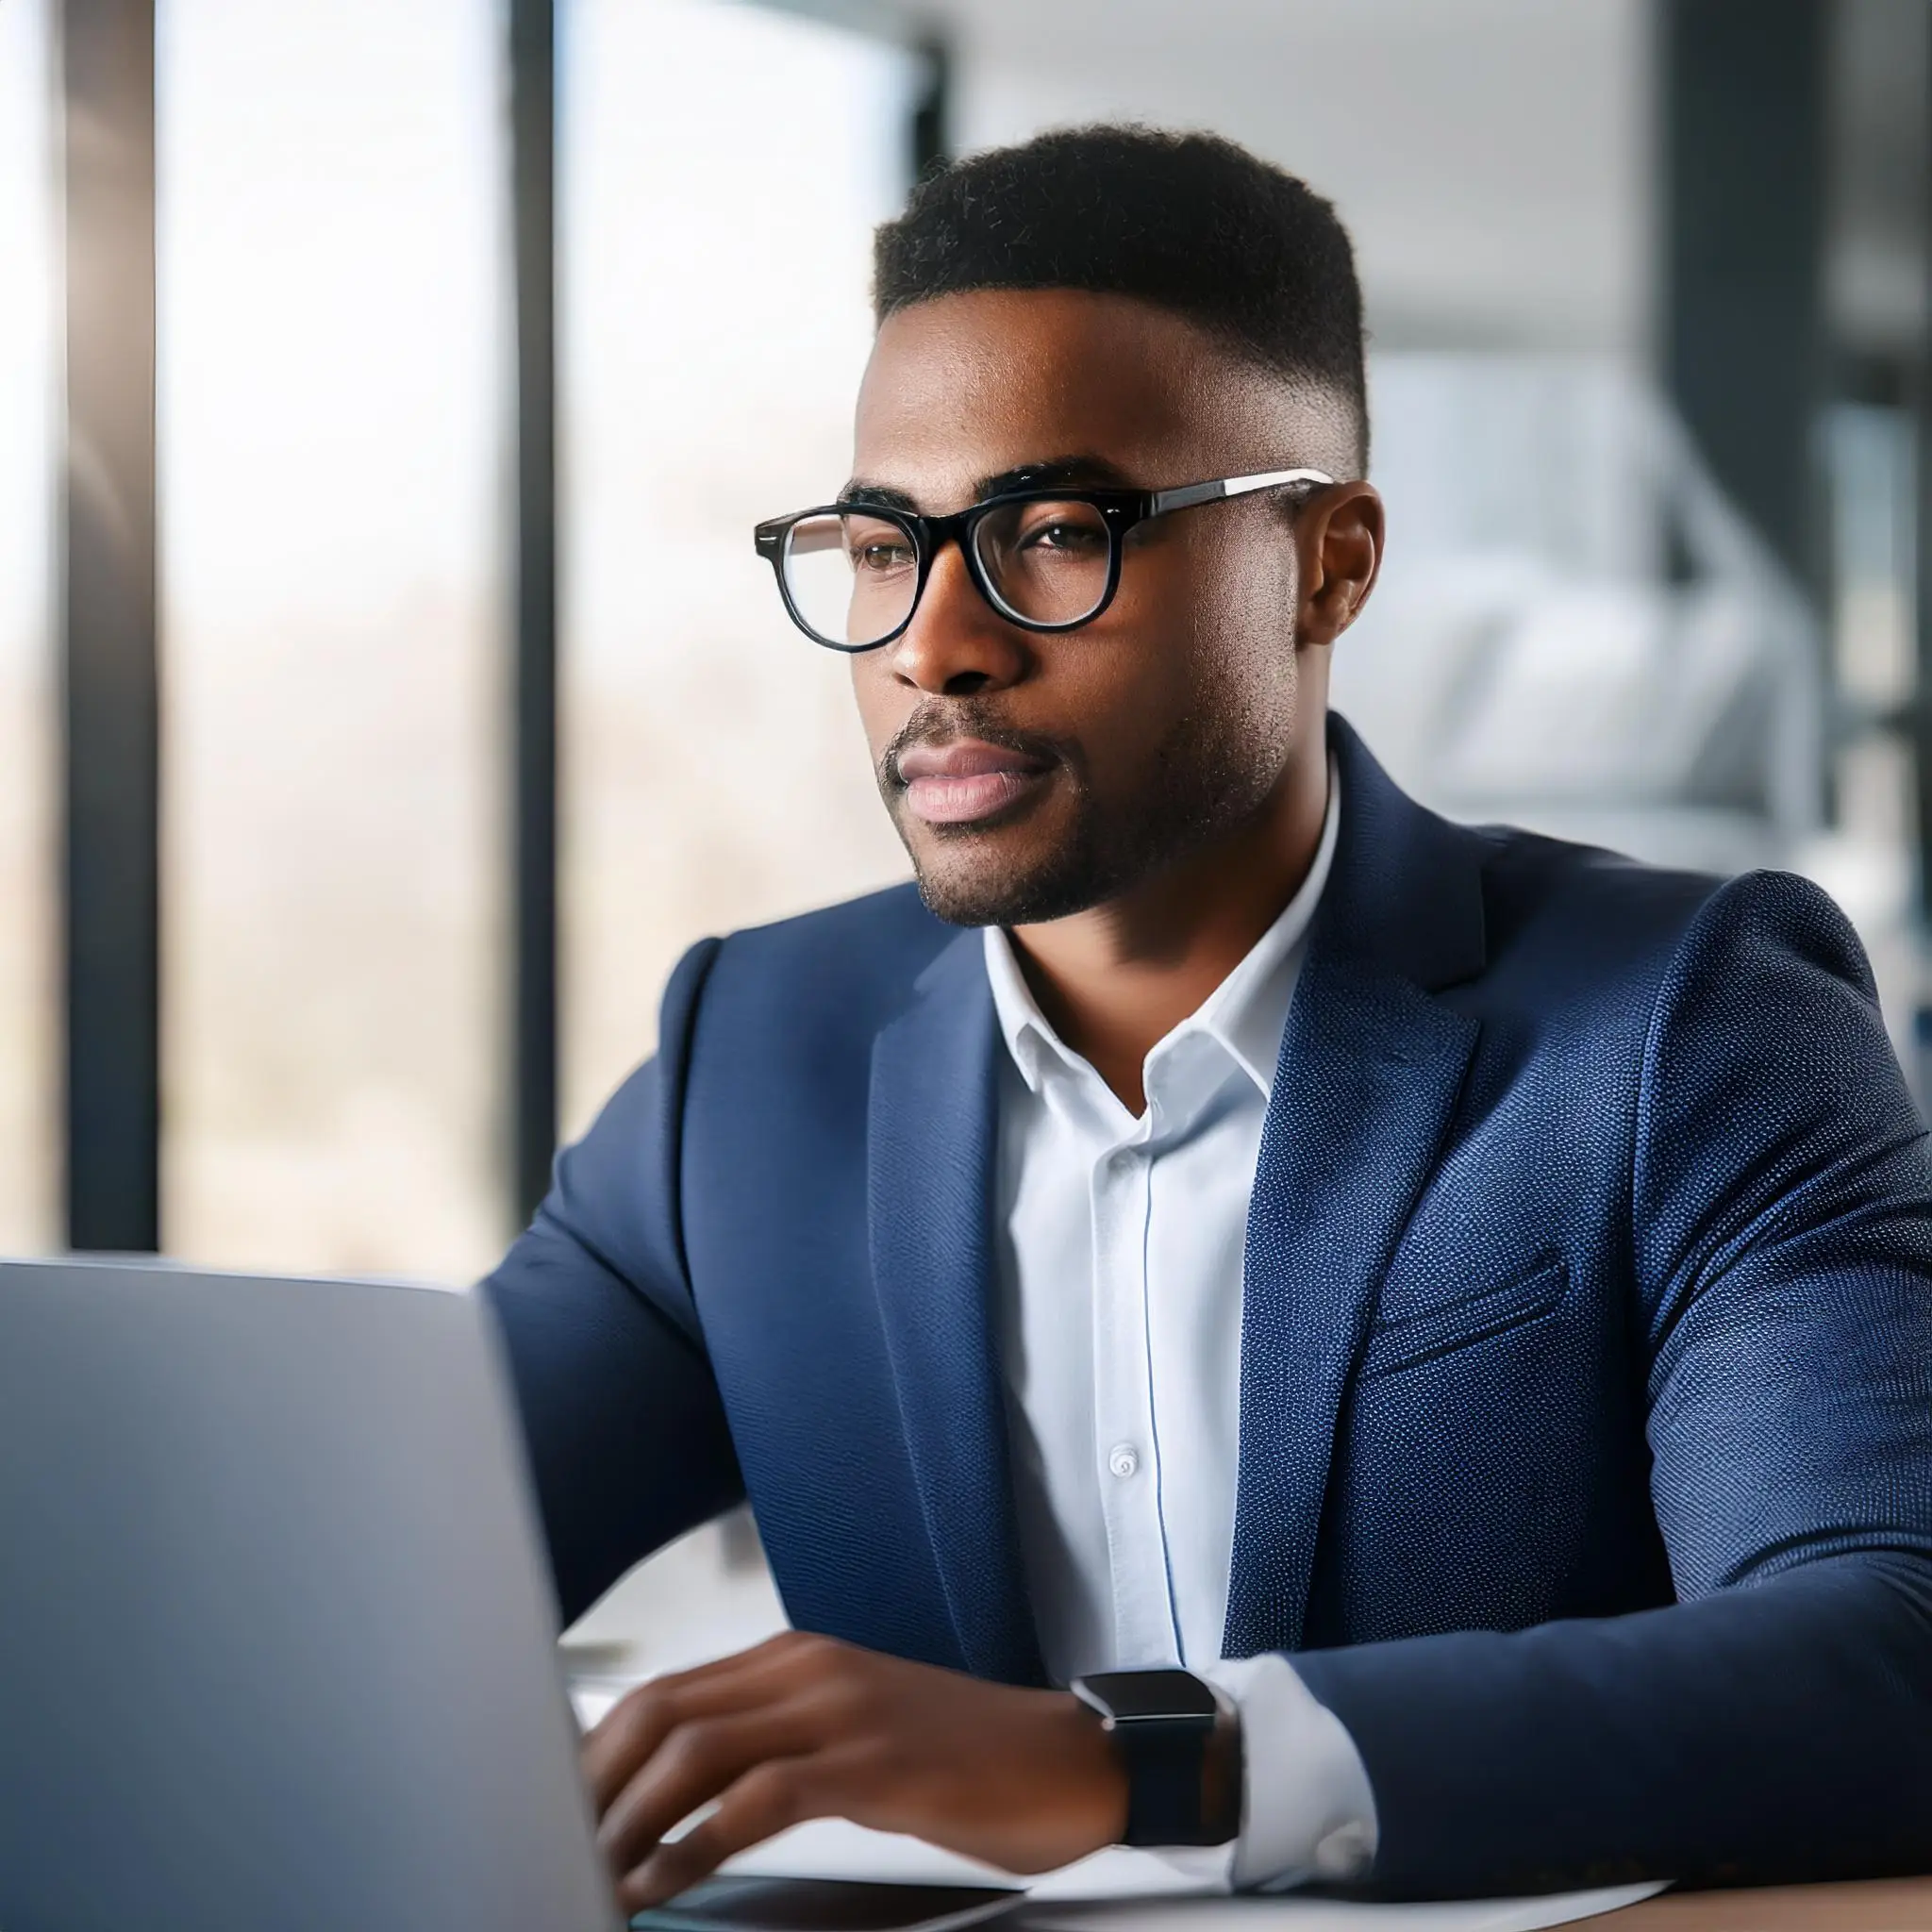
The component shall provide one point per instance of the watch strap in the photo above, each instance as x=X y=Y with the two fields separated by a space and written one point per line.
x=1167 y=1766
x=1164 y=1751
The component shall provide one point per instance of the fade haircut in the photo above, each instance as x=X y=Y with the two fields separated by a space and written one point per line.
x=1189 y=221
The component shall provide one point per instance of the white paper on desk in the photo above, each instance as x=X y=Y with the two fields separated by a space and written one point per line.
x=1122 y=1891
x=835 y=1848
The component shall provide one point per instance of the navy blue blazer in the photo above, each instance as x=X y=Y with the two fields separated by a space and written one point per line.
x=1586 y=1396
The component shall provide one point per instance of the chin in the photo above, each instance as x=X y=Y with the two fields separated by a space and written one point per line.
x=983 y=880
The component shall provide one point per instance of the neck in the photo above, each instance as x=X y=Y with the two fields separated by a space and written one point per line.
x=1115 y=979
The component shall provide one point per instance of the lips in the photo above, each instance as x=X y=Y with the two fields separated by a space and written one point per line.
x=968 y=780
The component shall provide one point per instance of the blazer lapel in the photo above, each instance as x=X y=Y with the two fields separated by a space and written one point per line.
x=930 y=1141
x=1370 y=1067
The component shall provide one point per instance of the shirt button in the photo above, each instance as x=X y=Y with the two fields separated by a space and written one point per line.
x=1122 y=1459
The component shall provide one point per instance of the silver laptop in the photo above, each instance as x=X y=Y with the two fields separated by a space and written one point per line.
x=276 y=1642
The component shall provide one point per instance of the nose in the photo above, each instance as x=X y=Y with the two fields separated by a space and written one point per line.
x=958 y=645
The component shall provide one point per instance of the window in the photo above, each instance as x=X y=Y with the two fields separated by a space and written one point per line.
x=331 y=383
x=29 y=1054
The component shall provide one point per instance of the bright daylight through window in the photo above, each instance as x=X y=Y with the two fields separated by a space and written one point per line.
x=331 y=374
x=28 y=771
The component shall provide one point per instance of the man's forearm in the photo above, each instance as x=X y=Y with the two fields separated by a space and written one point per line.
x=1771 y=1733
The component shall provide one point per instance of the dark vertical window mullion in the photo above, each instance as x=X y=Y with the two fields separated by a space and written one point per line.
x=1745 y=347
x=931 y=133
x=1745 y=341
x=533 y=990
x=110 y=685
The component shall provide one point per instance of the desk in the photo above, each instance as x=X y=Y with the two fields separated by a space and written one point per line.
x=1897 y=1905
x=1884 y=1904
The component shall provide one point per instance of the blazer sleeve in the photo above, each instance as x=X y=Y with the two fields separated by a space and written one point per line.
x=625 y=1432
x=1775 y=1723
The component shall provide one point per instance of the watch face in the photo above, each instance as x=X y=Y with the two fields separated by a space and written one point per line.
x=1143 y=1696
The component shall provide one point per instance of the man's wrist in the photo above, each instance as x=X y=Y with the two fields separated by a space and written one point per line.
x=1110 y=1785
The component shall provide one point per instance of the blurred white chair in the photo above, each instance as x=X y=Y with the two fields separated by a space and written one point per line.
x=1574 y=630
x=1577 y=631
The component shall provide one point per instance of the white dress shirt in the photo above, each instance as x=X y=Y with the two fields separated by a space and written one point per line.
x=1120 y=1247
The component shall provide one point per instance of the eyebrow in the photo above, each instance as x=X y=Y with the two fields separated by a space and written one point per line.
x=878 y=494
x=1068 y=472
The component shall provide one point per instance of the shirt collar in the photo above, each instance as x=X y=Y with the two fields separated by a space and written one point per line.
x=1246 y=1013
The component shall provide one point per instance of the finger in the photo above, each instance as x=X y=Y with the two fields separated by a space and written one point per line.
x=770 y=1798
x=624 y=1741
x=635 y=1729
x=693 y=1765
x=788 y=1651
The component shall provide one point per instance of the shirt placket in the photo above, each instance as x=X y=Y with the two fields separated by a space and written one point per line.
x=1126 y=1441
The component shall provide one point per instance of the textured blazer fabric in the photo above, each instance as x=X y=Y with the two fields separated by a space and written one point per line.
x=1586 y=1398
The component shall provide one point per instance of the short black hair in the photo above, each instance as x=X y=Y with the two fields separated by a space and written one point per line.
x=1189 y=221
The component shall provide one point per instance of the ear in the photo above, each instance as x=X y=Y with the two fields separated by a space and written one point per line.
x=1338 y=535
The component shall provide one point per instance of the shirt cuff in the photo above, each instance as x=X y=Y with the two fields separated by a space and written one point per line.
x=1308 y=1811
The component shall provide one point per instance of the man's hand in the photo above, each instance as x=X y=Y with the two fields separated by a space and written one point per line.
x=807 y=1727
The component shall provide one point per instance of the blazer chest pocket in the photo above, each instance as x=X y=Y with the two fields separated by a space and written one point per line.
x=1410 y=1340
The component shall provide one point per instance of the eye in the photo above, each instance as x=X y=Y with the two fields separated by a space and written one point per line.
x=1064 y=535
x=876 y=549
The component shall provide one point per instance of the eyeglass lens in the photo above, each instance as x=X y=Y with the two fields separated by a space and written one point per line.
x=852 y=578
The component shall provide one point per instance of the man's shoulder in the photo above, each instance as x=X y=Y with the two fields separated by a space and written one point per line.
x=1589 y=916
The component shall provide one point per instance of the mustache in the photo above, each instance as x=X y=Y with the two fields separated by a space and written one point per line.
x=940 y=720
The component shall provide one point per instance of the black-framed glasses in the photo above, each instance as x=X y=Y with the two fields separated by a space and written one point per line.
x=852 y=574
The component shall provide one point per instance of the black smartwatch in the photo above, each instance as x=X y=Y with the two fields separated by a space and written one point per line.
x=1160 y=1722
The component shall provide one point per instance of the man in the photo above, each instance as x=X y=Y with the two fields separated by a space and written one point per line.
x=1456 y=1306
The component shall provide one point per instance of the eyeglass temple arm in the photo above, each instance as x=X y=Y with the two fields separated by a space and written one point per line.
x=1191 y=494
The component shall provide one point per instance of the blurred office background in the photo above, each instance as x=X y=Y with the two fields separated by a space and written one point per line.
x=387 y=689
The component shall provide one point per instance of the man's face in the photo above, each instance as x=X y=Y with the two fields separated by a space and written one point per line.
x=1033 y=777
